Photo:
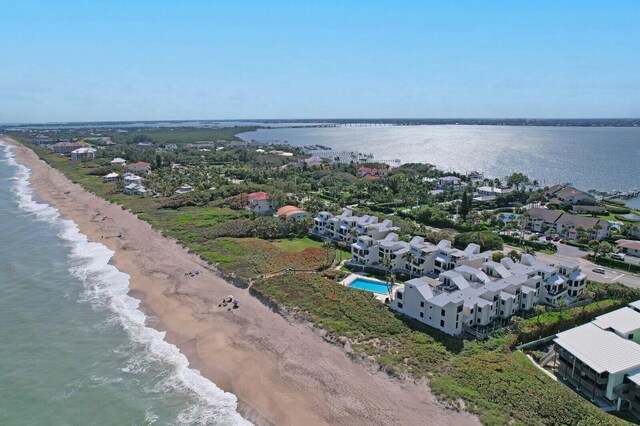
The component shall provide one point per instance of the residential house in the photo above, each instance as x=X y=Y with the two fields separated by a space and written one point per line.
x=566 y=194
x=135 y=189
x=453 y=183
x=372 y=173
x=259 y=203
x=292 y=212
x=83 y=154
x=489 y=193
x=120 y=162
x=595 y=210
x=184 y=189
x=130 y=178
x=109 y=178
x=105 y=141
x=140 y=166
x=630 y=247
x=313 y=161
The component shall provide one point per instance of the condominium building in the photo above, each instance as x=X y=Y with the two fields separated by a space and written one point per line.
x=457 y=290
x=489 y=295
x=347 y=227
x=567 y=225
x=67 y=147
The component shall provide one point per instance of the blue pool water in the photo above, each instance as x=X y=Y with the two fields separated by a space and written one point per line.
x=370 y=285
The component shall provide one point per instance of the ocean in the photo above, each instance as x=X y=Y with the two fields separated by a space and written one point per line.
x=602 y=158
x=74 y=346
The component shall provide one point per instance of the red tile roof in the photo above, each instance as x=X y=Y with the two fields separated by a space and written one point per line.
x=139 y=164
x=289 y=210
x=258 y=196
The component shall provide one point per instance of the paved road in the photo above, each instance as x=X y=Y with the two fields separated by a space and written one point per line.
x=573 y=254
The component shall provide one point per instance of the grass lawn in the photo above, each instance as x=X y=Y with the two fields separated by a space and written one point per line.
x=297 y=244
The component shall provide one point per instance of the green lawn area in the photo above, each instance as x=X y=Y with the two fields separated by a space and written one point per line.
x=500 y=385
x=297 y=244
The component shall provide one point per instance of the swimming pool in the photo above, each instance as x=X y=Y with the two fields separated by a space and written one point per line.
x=373 y=286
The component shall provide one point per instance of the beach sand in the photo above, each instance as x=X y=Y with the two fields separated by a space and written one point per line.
x=282 y=371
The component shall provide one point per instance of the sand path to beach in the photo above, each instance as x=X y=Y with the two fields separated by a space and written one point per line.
x=282 y=371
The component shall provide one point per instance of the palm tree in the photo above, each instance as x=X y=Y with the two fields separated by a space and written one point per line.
x=328 y=245
x=387 y=262
x=584 y=296
x=343 y=247
x=539 y=310
x=391 y=279
x=409 y=257
x=562 y=304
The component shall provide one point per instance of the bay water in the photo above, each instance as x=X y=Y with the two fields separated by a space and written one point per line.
x=74 y=348
x=602 y=158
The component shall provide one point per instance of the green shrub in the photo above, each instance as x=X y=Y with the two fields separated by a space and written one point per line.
x=615 y=263
x=618 y=210
x=486 y=240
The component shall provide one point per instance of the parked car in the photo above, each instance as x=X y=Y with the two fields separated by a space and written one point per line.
x=619 y=256
x=598 y=270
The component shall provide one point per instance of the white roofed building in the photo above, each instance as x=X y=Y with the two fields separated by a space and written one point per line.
x=601 y=359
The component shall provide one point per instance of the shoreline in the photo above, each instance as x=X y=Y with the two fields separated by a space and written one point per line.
x=282 y=372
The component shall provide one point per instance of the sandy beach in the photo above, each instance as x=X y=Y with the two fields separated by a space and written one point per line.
x=282 y=371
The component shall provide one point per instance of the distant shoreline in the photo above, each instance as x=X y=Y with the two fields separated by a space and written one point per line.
x=526 y=122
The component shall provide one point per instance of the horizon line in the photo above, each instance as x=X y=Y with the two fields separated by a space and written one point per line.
x=176 y=120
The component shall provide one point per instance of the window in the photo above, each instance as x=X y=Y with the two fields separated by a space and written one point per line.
x=502 y=302
x=460 y=308
x=421 y=315
x=399 y=305
x=441 y=323
x=442 y=312
x=399 y=294
x=630 y=336
x=422 y=304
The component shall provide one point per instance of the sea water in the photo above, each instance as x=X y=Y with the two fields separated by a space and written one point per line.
x=74 y=348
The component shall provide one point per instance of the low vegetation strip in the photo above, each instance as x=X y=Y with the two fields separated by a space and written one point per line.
x=484 y=377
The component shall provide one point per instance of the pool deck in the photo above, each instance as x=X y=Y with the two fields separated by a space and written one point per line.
x=381 y=297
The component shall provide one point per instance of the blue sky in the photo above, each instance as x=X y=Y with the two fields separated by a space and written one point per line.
x=135 y=60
